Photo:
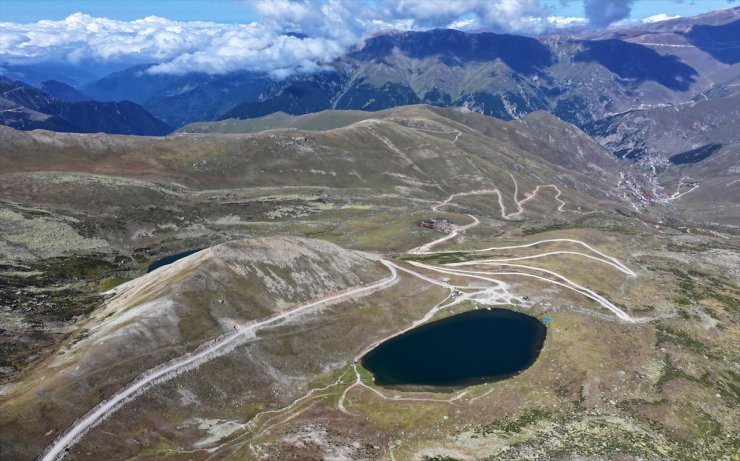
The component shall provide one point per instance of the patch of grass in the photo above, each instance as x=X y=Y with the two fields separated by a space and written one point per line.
x=670 y=373
x=695 y=286
x=81 y=336
x=626 y=405
x=547 y=228
x=679 y=337
x=731 y=384
x=438 y=259
x=733 y=303
x=67 y=307
x=81 y=268
x=513 y=425
x=588 y=438
x=644 y=309
x=706 y=428
x=109 y=284
x=60 y=289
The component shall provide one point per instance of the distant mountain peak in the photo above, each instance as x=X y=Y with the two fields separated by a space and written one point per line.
x=32 y=108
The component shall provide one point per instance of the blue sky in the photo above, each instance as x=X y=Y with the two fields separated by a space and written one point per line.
x=221 y=36
x=231 y=11
x=227 y=11
x=642 y=9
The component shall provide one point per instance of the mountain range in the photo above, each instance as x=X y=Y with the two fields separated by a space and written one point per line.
x=82 y=213
x=604 y=82
x=210 y=290
x=28 y=108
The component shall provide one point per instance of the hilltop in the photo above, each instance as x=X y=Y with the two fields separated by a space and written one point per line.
x=313 y=250
x=643 y=91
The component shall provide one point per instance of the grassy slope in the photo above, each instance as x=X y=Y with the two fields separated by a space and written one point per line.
x=146 y=197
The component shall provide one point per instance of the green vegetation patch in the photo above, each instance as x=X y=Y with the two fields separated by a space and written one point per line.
x=695 y=155
x=605 y=437
x=550 y=227
x=671 y=373
x=443 y=258
x=679 y=337
x=527 y=418
x=694 y=286
x=58 y=289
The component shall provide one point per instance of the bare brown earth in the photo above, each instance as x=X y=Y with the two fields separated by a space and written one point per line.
x=291 y=216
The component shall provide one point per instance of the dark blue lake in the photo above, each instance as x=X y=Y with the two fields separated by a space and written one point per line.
x=470 y=348
x=170 y=259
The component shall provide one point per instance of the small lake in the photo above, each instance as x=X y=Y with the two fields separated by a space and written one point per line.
x=474 y=347
x=170 y=259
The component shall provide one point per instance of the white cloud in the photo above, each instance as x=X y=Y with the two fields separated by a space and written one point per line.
x=659 y=17
x=291 y=35
x=463 y=24
x=561 y=21
x=504 y=15
x=178 y=47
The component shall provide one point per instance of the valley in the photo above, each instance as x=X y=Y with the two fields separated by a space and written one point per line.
x=313 y=254
x=338 y=230
x=646 y=91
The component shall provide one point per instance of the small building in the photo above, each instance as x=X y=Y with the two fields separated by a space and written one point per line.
x=441 y=225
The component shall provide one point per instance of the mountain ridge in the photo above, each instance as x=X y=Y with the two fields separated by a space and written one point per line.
x=583 y=78
x=29 y=108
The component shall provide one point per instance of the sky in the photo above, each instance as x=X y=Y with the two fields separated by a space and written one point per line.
x=230 y=11
x=220 y=36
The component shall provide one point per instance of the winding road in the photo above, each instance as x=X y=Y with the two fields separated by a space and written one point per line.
x=107 y=407
x=496 y=292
